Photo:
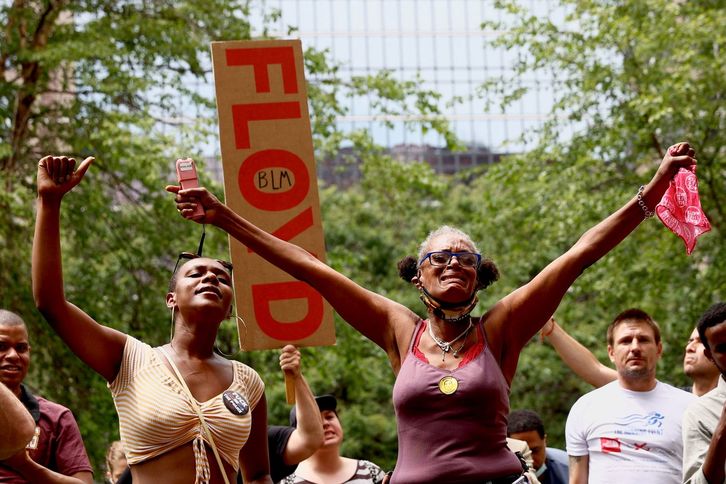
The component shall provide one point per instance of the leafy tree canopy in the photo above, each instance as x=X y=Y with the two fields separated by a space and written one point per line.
x=120 y=80
x=117 y=80
x=630 y=79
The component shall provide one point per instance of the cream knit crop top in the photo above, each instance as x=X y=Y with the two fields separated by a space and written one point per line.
x=156 y=416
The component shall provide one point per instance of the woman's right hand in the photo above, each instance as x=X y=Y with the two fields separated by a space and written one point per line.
x=57 y=175
x=290 y=360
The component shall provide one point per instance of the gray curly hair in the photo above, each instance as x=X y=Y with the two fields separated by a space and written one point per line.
x=444 y=229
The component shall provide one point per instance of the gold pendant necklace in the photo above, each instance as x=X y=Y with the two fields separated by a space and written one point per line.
x=448 y=385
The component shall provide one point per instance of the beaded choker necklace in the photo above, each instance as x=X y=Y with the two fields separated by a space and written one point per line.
x=446 y=346
x=449 y=312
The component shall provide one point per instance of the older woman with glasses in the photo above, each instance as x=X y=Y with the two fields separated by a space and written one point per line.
x=453 y=372
x=185 y=413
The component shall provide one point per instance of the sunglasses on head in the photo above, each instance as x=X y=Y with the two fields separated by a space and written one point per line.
x=187 y=256
x=443 y=258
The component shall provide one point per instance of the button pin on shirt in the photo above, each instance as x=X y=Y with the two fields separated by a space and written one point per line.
x=235 y=403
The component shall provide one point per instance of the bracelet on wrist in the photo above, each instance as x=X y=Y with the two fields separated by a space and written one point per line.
x=646 y=211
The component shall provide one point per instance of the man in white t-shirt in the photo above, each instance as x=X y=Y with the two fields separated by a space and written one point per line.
x=629 y=431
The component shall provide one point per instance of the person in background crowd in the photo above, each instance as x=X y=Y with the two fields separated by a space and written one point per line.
x=521 y=449
x=550 y=465
x=629 y=431
x=55 y=454
x=702 y=372
x=186 y=414
x=453 y=372
x=326 y=465
x=704 y=423
x=290 y=445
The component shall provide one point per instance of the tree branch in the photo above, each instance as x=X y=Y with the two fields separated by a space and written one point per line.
x=31 y=74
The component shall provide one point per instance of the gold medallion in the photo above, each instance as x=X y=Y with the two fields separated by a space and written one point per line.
x=448 y=385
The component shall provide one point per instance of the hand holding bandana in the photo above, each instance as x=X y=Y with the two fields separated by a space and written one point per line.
x=680 y=209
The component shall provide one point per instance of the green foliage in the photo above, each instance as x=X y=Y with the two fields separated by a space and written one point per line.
x=122 y=74
x=120 y=80
x=625 y=90
x=621 y=82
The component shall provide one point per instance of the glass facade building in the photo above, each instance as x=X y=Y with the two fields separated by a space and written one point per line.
x=440 y=43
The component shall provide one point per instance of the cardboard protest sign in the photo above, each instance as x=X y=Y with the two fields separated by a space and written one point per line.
x=270 y=180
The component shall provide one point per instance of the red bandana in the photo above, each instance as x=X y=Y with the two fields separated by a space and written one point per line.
x=680 y=209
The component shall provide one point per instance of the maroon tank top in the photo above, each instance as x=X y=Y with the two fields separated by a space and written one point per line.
x=455 y=438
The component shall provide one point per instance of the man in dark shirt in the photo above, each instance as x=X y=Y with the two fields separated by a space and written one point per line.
x=56 y=452
x=550 y=465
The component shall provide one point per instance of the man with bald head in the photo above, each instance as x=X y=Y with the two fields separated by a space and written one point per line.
x=55 y=453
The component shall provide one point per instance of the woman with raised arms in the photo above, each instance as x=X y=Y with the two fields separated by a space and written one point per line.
x=453 y=372
x=185 y=413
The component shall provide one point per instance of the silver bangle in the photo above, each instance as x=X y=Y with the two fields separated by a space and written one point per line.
x=648 y=213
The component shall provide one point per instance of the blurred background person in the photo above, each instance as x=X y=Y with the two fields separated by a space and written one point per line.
x=289 y=445
x=56 y=453
x=116 y=463
x=704 y=422
x=550 y=464
x=326 y=465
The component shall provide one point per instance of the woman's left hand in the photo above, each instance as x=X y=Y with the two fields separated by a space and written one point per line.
x=680 y=155
x=187 y=201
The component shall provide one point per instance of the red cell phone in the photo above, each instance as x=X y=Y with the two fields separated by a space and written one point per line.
x=186 y=173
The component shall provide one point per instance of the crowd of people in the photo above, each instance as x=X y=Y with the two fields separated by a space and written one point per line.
x=188 y=414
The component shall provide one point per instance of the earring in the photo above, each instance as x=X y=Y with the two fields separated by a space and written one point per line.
x=241 y=342
x=243 y=337
x=171 y=326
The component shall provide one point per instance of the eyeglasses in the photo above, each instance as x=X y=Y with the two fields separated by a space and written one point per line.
x=187 y=256
x=443 y=258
